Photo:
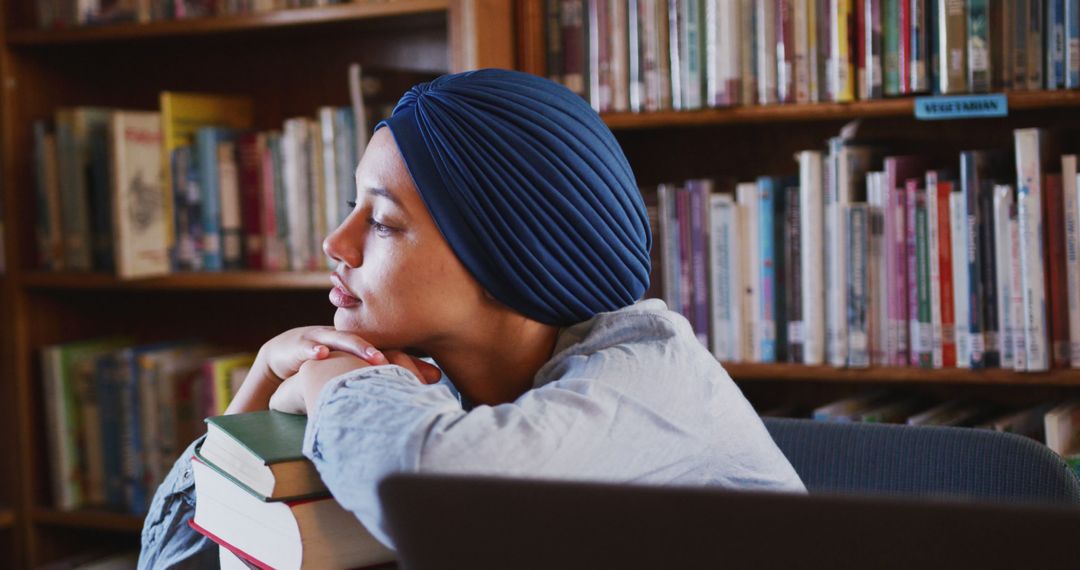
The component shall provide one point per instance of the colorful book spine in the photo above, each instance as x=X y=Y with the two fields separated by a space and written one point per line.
x=873 y=77
x=958 y=229
x=1056 y=259
x=891 y=47
x=905 y=46
x=933 y=256
x=792 y=264
x=881 y=342
x=1003 y=204
x=207 y=140
x=785 y=51
x=724 y=247
x=1029 y=171
x=978 y=46
x=811 y=224
x=971 y=166
x=1072 y=252
x=1072 y=44
x=952 y=47
x=1016 y=291
x=856 y=218
x=945 y=264
x=920 y=45
x=842 y=76
x=767 y=248
x=1055 y=44
x=690 y=44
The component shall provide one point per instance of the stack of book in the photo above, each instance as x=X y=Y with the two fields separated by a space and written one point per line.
x=870 y=259
x=651 y=55
x=264 y=503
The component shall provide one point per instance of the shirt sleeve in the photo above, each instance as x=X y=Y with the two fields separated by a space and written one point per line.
x=167 y=540
x=381 y=420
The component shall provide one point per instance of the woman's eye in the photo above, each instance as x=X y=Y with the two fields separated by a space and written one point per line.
x=381 y=229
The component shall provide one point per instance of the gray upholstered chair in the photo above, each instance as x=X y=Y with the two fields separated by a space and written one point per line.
x=923 y=461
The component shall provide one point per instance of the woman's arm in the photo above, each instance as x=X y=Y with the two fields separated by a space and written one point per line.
x=167 y=540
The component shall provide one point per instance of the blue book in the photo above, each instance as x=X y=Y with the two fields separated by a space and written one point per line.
x=1072 y=44
x=108 y=401
x=767 y=189
x=207 y=140
x=1055 y=44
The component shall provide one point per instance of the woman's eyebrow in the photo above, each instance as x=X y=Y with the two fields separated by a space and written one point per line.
x=385 y=194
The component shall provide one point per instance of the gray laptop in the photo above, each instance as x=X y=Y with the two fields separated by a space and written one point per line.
x=479 y=522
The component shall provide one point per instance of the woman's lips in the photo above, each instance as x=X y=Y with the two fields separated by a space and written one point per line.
x=340 y=296
x=342 y=300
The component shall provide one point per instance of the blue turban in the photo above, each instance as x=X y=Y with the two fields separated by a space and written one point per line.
x=530 y=189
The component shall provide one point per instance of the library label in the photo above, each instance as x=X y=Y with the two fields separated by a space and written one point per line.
x=961 y=107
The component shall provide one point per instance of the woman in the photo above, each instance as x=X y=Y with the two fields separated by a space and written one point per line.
x=498 y=229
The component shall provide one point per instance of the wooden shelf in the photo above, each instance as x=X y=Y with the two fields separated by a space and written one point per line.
x=7 y=519
x=230 y=280
x=798 y=372
x=806 y=112
x=362 y=10
x=100 y=520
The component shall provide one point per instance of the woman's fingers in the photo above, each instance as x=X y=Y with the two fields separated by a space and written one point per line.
x=427 y=373
x=333 y=339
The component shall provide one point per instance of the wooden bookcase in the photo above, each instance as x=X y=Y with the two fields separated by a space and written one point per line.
x=289 y=62
x=748 y=141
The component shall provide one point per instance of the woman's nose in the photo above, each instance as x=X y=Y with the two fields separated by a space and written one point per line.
x=345 y=244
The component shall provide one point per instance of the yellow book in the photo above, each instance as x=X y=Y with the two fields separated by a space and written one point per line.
x=218 y=372
x=843 y=76
x=184 y=113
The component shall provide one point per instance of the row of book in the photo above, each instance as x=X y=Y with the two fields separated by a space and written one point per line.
x=1056 y=424
x=264 y=503
x=190 y=187
x=119 y=413
x=864 y=260
x=60 y=14
x=651 y=55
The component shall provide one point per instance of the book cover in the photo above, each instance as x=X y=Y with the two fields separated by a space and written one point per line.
x=873 y=78
x=140 y=231
x=933 y=248
x=793 y=281
x=184 y=113
x=75 y=127
x=856 y=218
x=891 y=47
x=699 y=191
x=945 y=273
x=812 y=271
x=1015 y=332
x=1003 y=203
x=1056 y=259
x=746 y=194
x=920 y=44
x=1030 y=148
x=765 y=54
x=961 y=312
x=724 y=278
x=1054 y=34
x=952 y=74
x=767 y=199
x=272 y=436
x=1071 y=198
x=978 y=46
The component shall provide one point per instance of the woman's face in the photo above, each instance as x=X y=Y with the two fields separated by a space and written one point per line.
x=397 y=283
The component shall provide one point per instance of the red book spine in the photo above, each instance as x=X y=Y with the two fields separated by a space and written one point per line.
x=905 y=46
x=1056 y=285
x=948 y=308
x=251 y=200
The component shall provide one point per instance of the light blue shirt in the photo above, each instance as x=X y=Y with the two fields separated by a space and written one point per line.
x=629 y=396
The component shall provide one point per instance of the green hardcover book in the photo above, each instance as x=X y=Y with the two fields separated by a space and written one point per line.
x=261 y=452
x=922 y=260
x=890 y=25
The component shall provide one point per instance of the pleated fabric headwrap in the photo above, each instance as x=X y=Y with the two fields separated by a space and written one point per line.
x=530 y=189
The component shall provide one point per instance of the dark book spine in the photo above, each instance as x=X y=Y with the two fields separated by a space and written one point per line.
x=919 y=47
x=251 y=207
x=698 y=191
x=972 y=164
x=785 y=51
x=1057 y=276
x=554 y=41
x=988 y=275
x=793 y=277
x=574 y=46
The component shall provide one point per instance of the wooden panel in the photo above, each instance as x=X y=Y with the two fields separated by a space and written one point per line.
x=481 y=34
x=226 y=24
x=101 y=520
x=231 y=280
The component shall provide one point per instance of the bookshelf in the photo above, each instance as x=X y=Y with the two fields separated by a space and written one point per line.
x=743 y=142
x=290 y=62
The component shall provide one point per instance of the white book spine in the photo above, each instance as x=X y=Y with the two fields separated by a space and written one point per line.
x=1029 y=217
x=766 y=51
x=730 y=54
x=958 y=229
x=1003 y=202
x=724 y=281
x=714 y=60
x=1072 y=252
x=880 y=345
x=934 y=253
x=332 y=195
x=297 y=197
x=1016 y=293
x=747 y=196
x=835 y=286
x=811 y=224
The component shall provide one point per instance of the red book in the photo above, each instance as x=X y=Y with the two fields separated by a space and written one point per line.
x=948 y=308
x=250 y=167
x=1056 y=284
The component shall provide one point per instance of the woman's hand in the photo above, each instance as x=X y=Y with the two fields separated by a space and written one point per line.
x=300 y=393
x=282 y=356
